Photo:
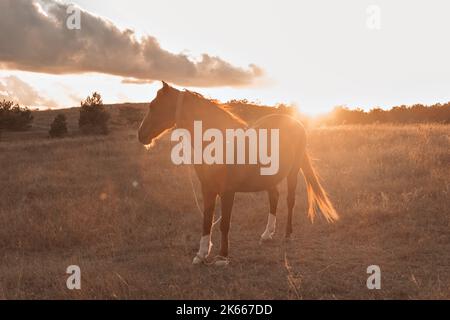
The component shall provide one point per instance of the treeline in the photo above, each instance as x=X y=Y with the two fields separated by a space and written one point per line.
x=93 y=118
x=418 y=113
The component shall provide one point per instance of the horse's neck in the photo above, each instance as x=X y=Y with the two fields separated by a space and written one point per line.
x=211 y=115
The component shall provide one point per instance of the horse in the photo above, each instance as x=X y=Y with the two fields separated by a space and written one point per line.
x=173 y=108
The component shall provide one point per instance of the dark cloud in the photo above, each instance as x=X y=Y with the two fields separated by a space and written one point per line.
x=13 y=88
x=34 y=37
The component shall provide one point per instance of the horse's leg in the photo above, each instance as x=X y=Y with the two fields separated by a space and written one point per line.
x=227 y=200
x=272 y=219
x=291 y=186
x=209 y=202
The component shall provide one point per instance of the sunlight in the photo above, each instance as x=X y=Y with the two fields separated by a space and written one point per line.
x=311 y=111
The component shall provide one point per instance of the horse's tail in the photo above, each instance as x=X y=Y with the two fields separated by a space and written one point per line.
x=317 y=197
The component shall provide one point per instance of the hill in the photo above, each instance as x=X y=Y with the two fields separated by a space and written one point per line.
x=127 y=216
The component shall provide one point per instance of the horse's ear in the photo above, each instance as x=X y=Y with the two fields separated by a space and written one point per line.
x=165 y=85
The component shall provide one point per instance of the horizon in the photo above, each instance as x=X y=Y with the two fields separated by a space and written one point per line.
x=253 y=103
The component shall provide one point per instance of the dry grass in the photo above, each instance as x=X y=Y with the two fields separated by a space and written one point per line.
x=127 y=217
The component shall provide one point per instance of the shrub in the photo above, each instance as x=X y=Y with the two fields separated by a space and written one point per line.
x=93 y=116
x=13 y=117
x=58 y=128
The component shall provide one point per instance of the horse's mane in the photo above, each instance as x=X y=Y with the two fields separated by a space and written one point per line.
x=214 y=104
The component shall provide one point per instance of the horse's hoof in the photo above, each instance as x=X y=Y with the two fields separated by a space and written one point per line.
x=197 y=260
x=221 y=261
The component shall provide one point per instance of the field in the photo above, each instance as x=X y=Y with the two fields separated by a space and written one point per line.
x=127 y=216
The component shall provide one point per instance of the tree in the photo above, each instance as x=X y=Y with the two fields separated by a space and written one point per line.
x=13 y=117
x=93 y=116
x=58 y=128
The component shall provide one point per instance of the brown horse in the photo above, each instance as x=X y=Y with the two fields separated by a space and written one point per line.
x=179 y=109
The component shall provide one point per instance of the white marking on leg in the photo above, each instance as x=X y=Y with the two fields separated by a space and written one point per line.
x=221 y=262
x=270 y=228
x=205 y=249
x=205 y=246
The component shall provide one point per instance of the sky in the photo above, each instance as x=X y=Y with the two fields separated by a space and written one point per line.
x=316 y=54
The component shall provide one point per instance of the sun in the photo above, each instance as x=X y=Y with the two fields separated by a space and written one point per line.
x=311 y=111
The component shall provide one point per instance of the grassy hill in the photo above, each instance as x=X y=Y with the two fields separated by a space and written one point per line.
x=127 y=217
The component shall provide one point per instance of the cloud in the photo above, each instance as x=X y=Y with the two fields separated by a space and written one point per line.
x=69 y=93
x=13 y=88
x=136 y=81
x=34 y=37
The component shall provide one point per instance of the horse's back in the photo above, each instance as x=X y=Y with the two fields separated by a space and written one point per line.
x=282 y=122
x=291 y=146
x=292 y=132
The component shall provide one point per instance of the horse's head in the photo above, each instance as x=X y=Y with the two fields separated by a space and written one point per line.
x=161 y=114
